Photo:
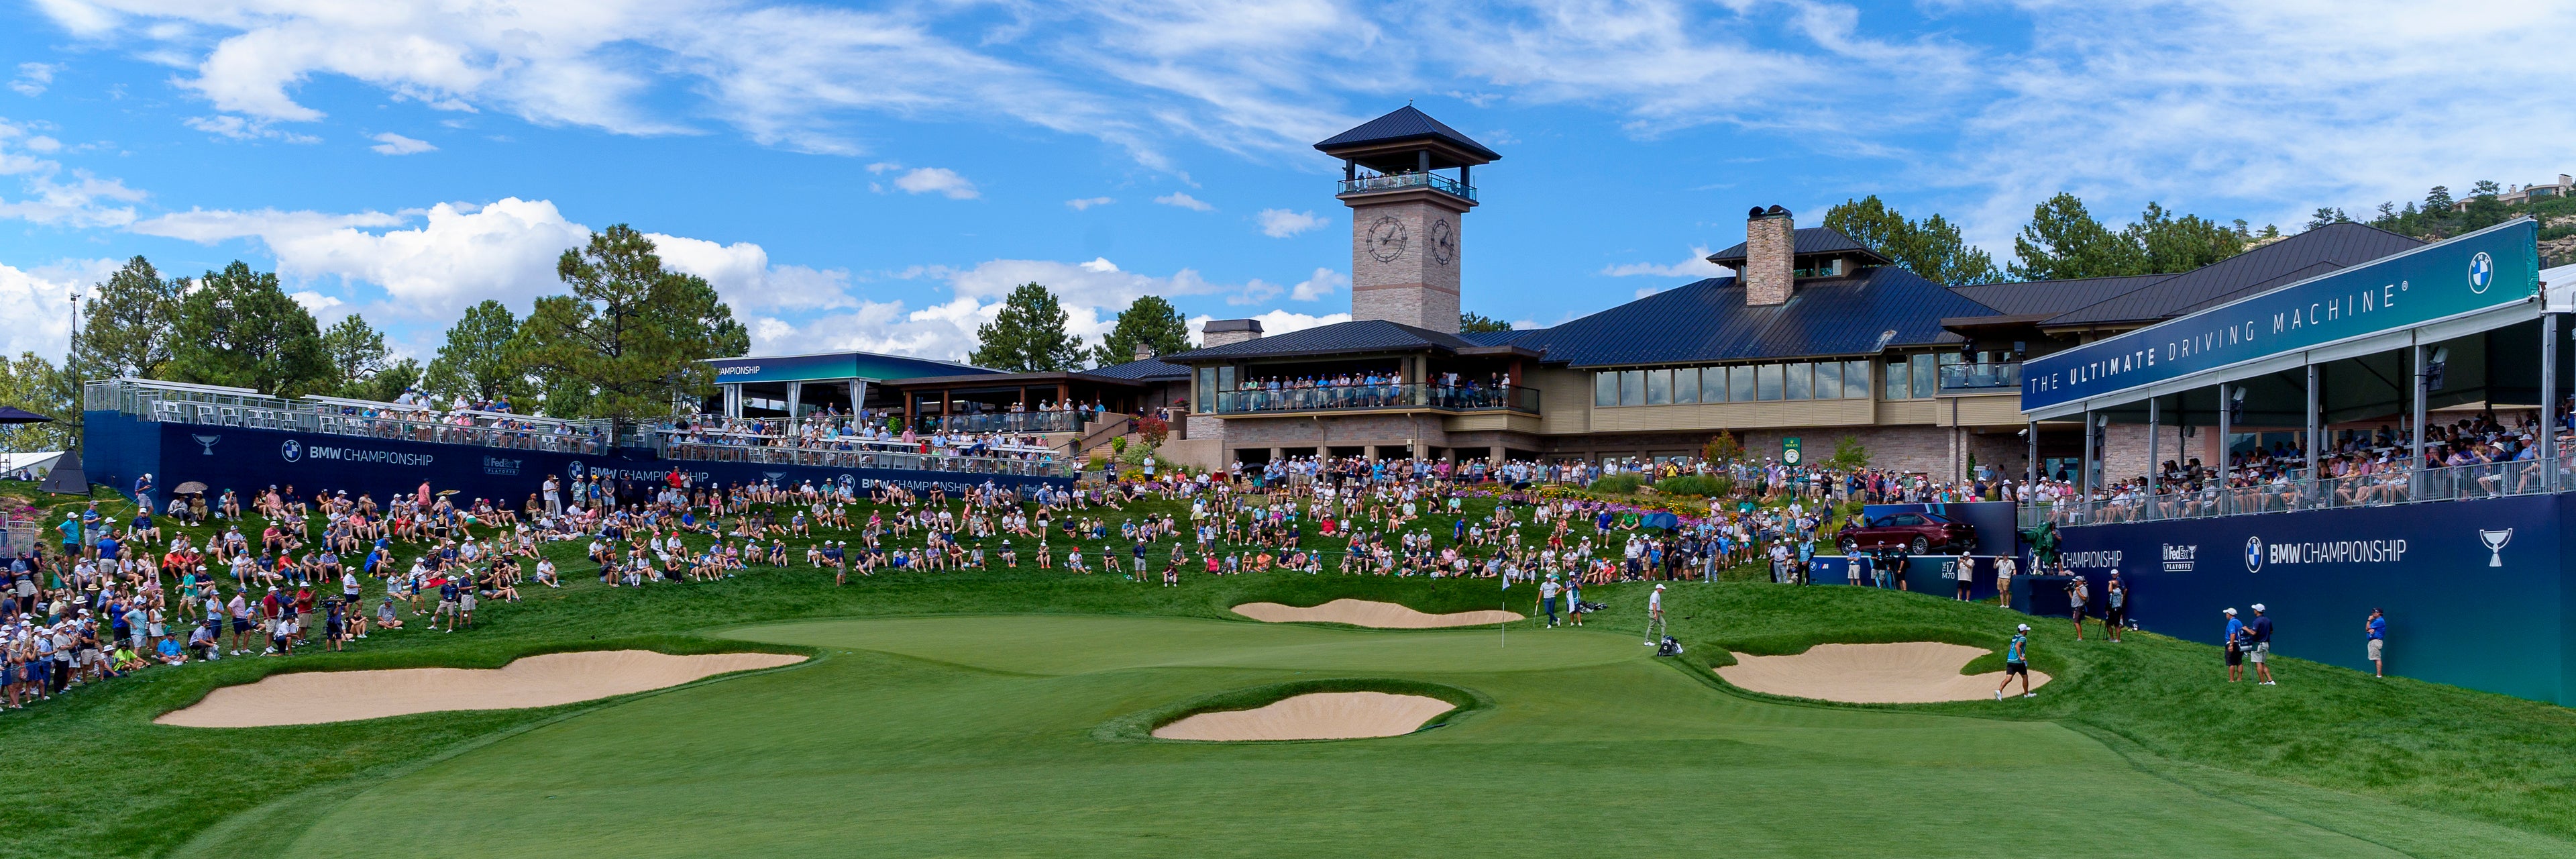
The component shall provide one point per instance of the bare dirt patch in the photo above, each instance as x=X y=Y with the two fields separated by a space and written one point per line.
x=1914 y=672
x=1313 y=716
x=1382 y=615
x=315 y=697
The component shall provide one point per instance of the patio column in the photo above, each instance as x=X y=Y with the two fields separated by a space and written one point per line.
x=2031 y=463
x=2415 y=442
x=2084 y=462
x=2223 y=495
x=2315 y=435
x=2155 y=420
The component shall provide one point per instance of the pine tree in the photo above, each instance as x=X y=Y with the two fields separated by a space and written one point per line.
x=627 y=342
x=1471 y=322
x=126 y=324
x=1028 y=336
x=1148 y=321
x=1931 y=247
x=357 y=353
x=483 y=358
x=238 y=328
x=2063 y=242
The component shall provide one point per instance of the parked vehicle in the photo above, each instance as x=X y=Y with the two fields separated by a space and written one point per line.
x=1915 y=533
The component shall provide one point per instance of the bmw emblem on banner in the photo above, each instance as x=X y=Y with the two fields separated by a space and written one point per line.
x=573 y=468
x=292 y=450
x=2481 y=273
x=2253 y=554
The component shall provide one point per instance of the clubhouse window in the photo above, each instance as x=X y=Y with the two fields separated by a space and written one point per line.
x=1738 y=383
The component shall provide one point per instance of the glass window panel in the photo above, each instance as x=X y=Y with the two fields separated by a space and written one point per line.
x=1856 y=379
x=1829 y=380
x=1686 y=385
x=1739 y=384
x=1659 y=387
x=1207 y=389
x=1766 y=382
x=1605 y=389
x=1712 y=384
x=1632 y=387
x=1923 y=375
x=1801 y=381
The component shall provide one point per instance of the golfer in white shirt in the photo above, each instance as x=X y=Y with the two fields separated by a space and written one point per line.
x=1655 y=614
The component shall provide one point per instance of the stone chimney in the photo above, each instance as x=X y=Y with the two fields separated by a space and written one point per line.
x=1219 y=332
x=1770 y=246
x=1144 y=351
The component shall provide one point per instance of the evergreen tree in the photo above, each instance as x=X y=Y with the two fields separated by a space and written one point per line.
x=33 y=383
x=1148 y=321
x=238 y=328
x=2171 y=244
x=627 y=342
x=1028 y=336
x=386 y=385
x=126 y=325
x=2063 y=241
x=483 y=358
x=2438 y=200
x=2327 y=215
x=1931 y=247
x=357 y=353
x=1471 y=322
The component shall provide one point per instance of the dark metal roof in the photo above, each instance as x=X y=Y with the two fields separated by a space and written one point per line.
x=2053 y=297
x=1402 y=124
x=1491 y=338
x=1810 y=240
x=2308 y=254
x=1366 y=335
x=1708 y=321
x=1148 y=370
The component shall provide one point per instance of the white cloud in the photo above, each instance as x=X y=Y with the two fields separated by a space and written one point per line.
x=33 y=78
x=237 y=128
x=1086 y=203
x=742 y=274
x=82 y=200
x=315 y=302
x=36 y=303
x=1282 y=223
x=938 y=180
x=390 y=143
x=1185 y=201
x=1694 y=266
x=1321 y=286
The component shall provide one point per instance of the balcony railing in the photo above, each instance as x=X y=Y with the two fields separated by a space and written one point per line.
x=2452 y=483
x=1363 y=397
x=1401 y=181
x=1980 y=378
x=1036 y=463
x=1005 y=422
x=206 y=405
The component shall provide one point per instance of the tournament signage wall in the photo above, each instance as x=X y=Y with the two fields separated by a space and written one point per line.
x=2476 y=591
x=2493 y=267
x=251 y=459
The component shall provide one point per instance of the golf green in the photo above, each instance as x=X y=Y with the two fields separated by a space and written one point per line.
x=982 y=736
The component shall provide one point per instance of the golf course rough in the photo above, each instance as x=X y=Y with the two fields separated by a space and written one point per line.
x=978 y=736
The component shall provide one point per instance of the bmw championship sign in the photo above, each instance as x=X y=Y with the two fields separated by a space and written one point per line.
x=2493 y=267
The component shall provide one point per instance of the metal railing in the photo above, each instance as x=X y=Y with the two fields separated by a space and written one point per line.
x=1980 y=377
x=2450 y=483
x=1355 y=397
x=1005 y=422
x=205 y=405
x=1401 y=181
x=1042 y=465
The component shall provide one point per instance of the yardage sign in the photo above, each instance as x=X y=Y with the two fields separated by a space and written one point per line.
x=2496 y=266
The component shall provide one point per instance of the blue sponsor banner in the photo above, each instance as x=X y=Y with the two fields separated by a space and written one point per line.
x=2493 y=267
x=251 y=459
x=2475 y=591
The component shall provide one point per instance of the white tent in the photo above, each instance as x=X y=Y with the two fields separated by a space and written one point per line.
x=29 y=466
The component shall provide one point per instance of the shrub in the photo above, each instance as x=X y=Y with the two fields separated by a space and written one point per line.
x=1695 y=484
x=1722 y=447
x=1623 y=483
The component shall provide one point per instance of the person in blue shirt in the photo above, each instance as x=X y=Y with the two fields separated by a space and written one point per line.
x=2235 y=644
x=2377 y=629
x=2017 y=662
x=2258 y=636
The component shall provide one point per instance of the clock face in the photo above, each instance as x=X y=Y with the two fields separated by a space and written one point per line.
x=1386 y=238
x=1444 y=242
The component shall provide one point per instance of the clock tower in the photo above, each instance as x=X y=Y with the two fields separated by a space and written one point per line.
x=1406 y=217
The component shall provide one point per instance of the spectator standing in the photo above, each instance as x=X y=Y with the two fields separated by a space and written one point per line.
x=2004 y=568
x=2376 y=628
x=2115 y=606
x=1965 y=570
x=2235 y=647
x=2260 y=633
x=2078 y=593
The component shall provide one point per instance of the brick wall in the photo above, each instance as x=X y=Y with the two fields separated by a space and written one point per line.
x=1413 y=279
x=1770 y=249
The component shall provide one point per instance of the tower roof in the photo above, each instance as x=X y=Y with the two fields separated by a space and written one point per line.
x=1407 y=129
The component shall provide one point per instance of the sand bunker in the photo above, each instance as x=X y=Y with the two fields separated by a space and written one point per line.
x=314 y=697
x=1914 y=672
x=1383 y=615
x=1313 y=716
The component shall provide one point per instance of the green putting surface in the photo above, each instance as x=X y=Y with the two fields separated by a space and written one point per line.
x=978 y=736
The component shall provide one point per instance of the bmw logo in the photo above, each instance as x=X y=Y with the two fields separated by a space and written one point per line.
x=292 y=450
x=2481 y=272
x=573 y=468
x=2253 y=554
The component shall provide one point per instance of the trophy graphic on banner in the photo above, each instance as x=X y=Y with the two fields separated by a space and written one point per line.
x=2495 y=541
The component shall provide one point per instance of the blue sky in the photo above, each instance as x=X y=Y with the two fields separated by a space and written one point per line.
x=876 y=176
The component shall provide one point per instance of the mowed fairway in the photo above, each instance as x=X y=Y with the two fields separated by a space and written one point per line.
x=979 y=736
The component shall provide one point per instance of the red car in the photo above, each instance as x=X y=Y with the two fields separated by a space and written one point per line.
x=1916 y=533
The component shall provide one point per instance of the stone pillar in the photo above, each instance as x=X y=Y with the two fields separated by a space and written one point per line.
x=1770 y=252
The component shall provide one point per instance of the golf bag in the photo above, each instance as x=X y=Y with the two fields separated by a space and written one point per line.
x=1669 y=647
x=1589 y=607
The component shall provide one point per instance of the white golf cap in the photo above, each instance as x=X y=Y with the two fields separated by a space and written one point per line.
x=2258 y=606
x=1659 y=587
x=2023 y=628
x=2230 y=610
